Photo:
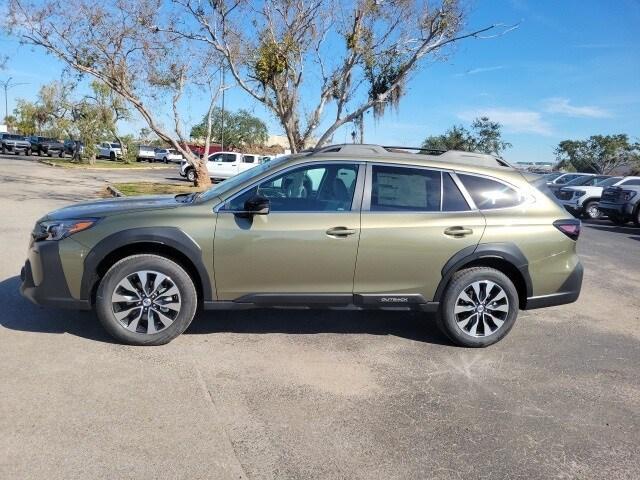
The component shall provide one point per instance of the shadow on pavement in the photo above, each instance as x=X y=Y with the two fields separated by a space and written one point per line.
x=20 y=314
x=410 y=325
x=614 y=228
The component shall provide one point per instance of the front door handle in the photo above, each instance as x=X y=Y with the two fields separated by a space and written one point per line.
x=458 y=232
x=340 y=232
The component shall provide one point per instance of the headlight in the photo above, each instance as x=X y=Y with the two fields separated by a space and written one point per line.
x=57 y=230
x=626 y=196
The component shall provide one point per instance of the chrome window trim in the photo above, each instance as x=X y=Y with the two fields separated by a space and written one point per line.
x=356 y=202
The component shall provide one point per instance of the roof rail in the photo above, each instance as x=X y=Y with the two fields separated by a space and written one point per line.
x=430 y=151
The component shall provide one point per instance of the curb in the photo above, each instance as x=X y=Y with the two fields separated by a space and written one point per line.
x=94 y=169
x=115 y=192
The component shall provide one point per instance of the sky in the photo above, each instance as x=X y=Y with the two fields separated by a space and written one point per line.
x=570 y=70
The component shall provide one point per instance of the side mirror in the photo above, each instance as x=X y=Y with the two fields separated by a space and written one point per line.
x=257 y=205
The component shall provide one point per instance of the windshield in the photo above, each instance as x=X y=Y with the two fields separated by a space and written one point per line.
x=551 y=176
x=609 y=181
x=239 y=179
x=12 y=137
x=584 y=181
x=115 y=145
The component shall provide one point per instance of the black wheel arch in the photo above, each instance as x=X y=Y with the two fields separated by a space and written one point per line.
x=170 y=242
x=505 y=257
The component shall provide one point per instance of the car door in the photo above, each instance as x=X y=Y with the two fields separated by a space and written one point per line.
x=304 y=249
x=413 y=221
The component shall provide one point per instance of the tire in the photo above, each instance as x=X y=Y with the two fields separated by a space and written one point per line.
x=49 y=154
x=125 y=270
x=618 y=220
x=4 y=149
x=591 y=211
x=61 y=154
x=636 y=217
x=467 y=331
x=112 y=157
x=191 y=175
x=27 y=152
x=165 y=160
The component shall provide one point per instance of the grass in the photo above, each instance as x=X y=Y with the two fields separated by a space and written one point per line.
x=150 y=188
x=67 y=163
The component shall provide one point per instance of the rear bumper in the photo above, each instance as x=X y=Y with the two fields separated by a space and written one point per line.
x=47 y=287
x=569 y=292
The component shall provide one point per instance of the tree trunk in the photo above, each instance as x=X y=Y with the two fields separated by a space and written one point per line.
x=202 y=174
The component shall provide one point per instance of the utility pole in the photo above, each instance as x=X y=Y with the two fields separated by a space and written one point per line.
x=222 y=114
x=8 y=85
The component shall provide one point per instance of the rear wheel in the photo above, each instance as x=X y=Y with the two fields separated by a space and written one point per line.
x=592 y=211
x=146 y=300
x=479 y=308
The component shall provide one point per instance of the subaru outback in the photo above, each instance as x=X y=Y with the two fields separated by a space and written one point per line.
x=460 y=235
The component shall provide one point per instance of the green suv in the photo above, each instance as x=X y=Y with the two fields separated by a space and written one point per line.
x=462 y=235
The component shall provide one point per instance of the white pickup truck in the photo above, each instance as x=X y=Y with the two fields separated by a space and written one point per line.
x=223 y=165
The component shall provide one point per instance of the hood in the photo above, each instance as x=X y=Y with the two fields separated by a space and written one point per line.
x=113 y=206
x=585 y=188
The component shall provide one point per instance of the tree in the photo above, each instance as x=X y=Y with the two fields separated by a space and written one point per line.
x=601 y=154
x=363 y=53
x=125 y=45
x=241 y=128
x=485 y=137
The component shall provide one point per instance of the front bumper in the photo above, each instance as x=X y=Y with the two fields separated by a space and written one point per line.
x=619 y=209
x=17 y=148
x=43 y=280
x=569 y=292
x=572 y=206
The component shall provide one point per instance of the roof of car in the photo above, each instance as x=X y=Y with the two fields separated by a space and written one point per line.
x=450 y=159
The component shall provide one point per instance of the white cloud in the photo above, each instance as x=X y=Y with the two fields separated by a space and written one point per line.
x=562 y=106
x=513 y=121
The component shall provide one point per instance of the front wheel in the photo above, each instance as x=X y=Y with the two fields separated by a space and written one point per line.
x=165 y=160
x=636 y=217
x=191 y=175
x=592 y=211
x=146 y=300
x=479 y=307
x=112 y=157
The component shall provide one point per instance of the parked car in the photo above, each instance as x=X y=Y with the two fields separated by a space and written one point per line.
x=581 y=196
x=167 y=155
x=46 y=146
x=145 y=152
x=70 y=146
x=562 y=180
x=621 y=203
x=109 y=150
x=11 y=143
x=223 y=165
x=462 y=235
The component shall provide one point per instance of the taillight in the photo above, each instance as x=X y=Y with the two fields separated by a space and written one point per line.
x=570 y=227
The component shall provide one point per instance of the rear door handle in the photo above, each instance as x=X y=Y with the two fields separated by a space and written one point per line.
x=458 y=231
x=340 y=232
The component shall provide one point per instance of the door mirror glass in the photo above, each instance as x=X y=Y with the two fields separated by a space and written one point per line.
x=257 y=205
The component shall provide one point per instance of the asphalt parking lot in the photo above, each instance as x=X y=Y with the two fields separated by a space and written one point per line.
x=303 y=394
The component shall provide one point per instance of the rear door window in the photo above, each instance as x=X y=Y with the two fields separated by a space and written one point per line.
x=397 y=189
x=490 y=194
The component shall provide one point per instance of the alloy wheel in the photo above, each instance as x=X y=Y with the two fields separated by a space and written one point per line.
x=481 y=308
x=146 y=302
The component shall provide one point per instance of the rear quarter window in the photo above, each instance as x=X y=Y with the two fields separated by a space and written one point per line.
x=490 y=194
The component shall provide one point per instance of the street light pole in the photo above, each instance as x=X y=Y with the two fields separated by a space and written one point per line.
x=8 y=85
